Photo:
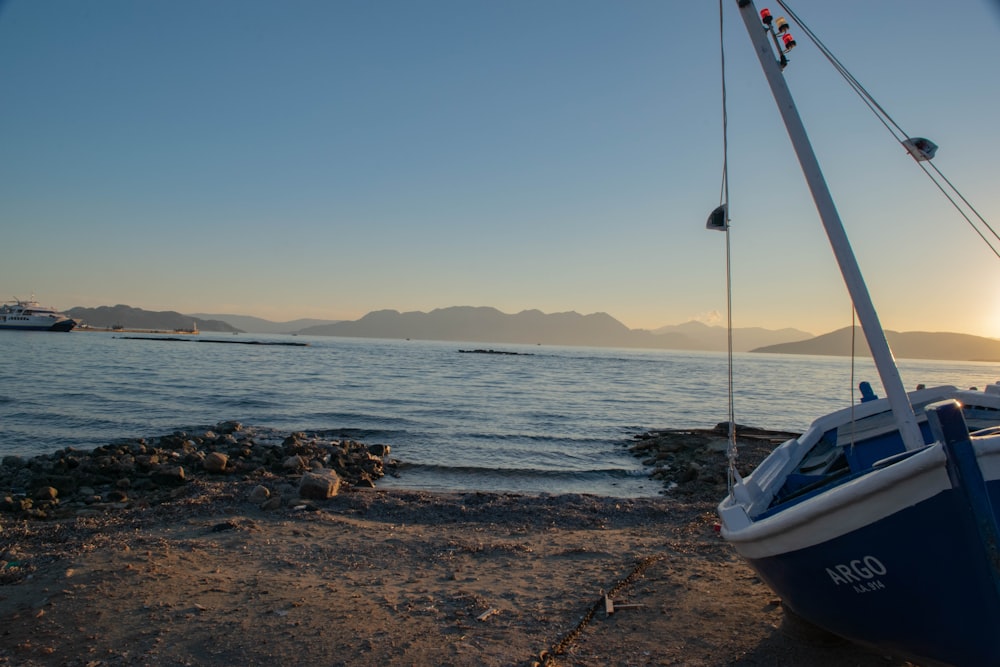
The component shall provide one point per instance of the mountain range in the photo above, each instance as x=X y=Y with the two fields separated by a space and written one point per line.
x=127 y=317
x=489 y=325
x=533 y=327
x=250 y=324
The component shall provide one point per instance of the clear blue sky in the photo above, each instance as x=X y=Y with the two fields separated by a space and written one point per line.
x=326 y=158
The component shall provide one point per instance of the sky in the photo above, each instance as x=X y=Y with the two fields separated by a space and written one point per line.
x=328 y=158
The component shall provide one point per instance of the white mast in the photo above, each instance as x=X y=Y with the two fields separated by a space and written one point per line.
x=882 y=355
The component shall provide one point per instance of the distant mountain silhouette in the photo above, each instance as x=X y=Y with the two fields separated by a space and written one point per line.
x=906 y=345
x=251 y=324
x=706 y=337
x=127 y=317
x=489 y=325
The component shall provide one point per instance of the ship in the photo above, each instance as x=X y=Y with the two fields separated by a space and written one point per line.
x=29 y=315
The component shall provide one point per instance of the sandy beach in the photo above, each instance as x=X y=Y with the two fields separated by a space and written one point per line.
x=375 y=577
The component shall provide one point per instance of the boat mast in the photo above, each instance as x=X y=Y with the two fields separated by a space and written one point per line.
x=882 y=355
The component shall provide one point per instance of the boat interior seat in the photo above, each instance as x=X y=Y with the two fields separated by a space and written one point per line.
x=875 y=445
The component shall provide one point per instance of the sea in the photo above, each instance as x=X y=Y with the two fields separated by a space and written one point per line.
x=542 y=419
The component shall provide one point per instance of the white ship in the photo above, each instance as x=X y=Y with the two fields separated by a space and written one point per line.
x=32 y=316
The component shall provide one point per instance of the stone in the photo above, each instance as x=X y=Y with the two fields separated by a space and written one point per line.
x=272 y=503
x=46 y=493
x=294 y=462
x=169 y=475
x=690 y=473
x=13 y=461
x=215 y=462
x=380 y=451
x=259 y=494
x=319 y=485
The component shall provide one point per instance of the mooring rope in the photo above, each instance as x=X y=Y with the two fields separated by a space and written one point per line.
x=731 y=449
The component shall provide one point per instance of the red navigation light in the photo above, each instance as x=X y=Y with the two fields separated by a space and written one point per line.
x=765 y=16
x=788 y=41
x=781 y=24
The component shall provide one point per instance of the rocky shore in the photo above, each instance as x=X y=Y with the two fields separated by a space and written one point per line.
x=693 y=463
x=145 y=472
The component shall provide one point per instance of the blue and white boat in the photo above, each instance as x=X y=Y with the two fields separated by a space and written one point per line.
x=32 y=316
x=879 y=523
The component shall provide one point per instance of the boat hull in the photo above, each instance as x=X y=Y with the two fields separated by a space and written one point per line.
x=910 y=584
x=910 y=576
x=62 y=325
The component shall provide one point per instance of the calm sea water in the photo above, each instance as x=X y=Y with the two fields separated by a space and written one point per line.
x=553 y=419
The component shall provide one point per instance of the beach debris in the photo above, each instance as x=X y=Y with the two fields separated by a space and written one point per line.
x=486 y=614
x=547 y=657
x=611 y=606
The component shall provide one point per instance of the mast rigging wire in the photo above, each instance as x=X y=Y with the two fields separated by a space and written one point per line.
x=897 y=132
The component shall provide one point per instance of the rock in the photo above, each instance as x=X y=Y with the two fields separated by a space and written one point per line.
x=46 y=493
x=169 y=475
x=272 y=503
x=215 y=462
x=294 y=462
x=690 y=473
x=116 y=496
x=228 y=427
x=380 y=451
x=319 y=485
x=718 y=445
x=259 y=494
x=13 y=461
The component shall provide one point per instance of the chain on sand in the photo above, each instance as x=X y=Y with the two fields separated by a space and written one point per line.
x=548 y=658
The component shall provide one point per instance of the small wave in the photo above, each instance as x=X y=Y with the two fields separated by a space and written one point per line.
x=562 y=439
x=243 y=403
x=473 y=471
x=356 y=417
x=610 y=482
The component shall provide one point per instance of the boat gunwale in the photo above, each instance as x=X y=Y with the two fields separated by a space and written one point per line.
x=832 y=514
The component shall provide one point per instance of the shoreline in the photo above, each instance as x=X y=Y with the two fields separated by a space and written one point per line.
x=213 y=574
